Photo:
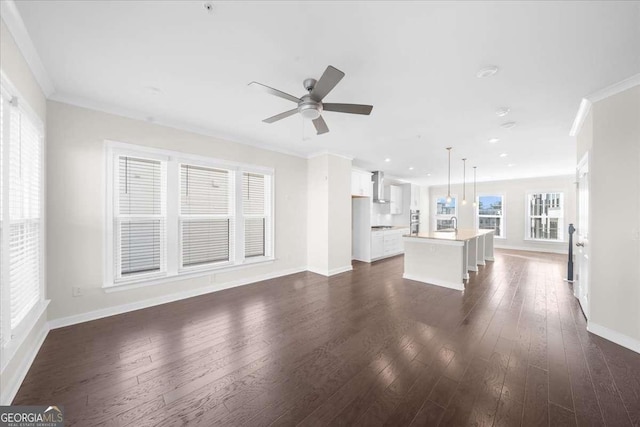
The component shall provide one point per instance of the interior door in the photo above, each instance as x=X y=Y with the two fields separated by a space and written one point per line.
x=582 y=236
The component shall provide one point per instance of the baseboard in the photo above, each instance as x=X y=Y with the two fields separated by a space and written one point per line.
x=530 y=249
x=613 y=336
x=332 y=272
x=436 y=282
x=9 y=392
x=164 y=299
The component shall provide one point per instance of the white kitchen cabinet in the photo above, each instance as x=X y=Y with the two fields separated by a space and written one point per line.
x=361 y=184
x=414 y=205
x=395 y=199
x=387 y=243
x=377 y=244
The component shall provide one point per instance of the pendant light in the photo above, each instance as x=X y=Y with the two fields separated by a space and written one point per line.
x=474 y=185
x=449 y=179
x=464 y=181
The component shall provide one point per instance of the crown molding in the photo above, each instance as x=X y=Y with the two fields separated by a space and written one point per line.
x=599 y=95
x=15 y=24
x=136 y=115
x=583 y=111
x=328 y=153
x=615 y=88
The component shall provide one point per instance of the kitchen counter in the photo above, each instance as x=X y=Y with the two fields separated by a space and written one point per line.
x=389 y=227
x=444 y=258
x=460 y=235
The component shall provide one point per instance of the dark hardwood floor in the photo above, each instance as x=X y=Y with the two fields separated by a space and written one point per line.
x=361 y=348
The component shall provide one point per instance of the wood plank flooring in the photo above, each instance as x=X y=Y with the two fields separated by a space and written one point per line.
x=361 y=348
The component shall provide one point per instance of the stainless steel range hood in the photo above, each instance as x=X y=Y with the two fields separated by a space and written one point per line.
x=378 y=187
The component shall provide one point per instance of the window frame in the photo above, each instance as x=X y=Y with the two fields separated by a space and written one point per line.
x=444 y=217
x=174 y=269
x=16 y=335
x=503 y=220
x=528 y=216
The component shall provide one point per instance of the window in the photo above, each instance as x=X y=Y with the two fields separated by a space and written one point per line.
x=174 y=214
x=206 y=217
x=545 y=215
x=444 y=212
x=255 y=199
x=140 y=218
x=21 y=222
x=490 y=214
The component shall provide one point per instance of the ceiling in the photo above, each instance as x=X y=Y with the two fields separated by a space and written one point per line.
x=173 y=62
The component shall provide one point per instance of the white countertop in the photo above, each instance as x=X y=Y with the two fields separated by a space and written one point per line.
x=462 y=235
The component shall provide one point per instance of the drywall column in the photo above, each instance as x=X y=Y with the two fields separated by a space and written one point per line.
x=329 y=214
x=615 y=231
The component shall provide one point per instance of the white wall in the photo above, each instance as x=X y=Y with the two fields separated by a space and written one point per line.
x=615 y=217
x=318 y=214
x=514 y=192
x=16 y=69
x=329 y=214
x=75 y=207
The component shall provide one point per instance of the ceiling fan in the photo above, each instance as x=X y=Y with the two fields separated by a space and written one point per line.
x=310 y=106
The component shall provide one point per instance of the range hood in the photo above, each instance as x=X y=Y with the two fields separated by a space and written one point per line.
x=378 y=187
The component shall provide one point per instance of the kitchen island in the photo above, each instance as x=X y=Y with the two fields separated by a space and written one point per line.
x=444 y=258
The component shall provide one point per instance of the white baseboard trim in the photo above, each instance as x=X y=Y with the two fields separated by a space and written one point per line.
x=530 y=249
x=15 y=381
x=472 y=268
x=332 y=272
x=614 y=336
x=124 y=308
x=490 y=259
x=437 y=282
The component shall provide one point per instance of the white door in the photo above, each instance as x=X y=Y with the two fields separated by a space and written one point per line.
x=581 y=285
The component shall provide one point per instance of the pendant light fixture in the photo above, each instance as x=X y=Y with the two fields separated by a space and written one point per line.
x=474 y=185
x=449 y=179
x=464 y=181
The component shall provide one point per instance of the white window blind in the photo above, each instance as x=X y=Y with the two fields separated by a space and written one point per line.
x=140 y=217
x=254 y=207
x=20 y=214
x=206 y=217
x=172 y=214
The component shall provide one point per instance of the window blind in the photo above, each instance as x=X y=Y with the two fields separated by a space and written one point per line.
x=140 y=218
x=24 y=227
x=254 y=208
x=206 y=222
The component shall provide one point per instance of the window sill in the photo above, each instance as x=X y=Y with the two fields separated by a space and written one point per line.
x=543 y=240
x=20 y=333
x=108 y=288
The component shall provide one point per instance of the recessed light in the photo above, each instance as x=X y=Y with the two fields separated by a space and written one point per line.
x=511 y=165
x=387 y=160
x=428 y=174
x=410 y=168
x=503 y=155
x=508 y=125
x=493 y=140
x=501 y=112
x=486 y=71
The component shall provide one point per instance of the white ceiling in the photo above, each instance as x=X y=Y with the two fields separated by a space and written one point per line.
x=415 y=62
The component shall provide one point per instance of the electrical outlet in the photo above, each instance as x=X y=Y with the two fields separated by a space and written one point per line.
x=76 y=291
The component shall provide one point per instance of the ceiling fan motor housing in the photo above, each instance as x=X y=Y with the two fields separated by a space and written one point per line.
x=308 y=108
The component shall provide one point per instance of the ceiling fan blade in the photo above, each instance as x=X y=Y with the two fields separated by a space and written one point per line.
x=281 y=116
x=275 y=92
x=348 y=108
x=327 y=82
x=321 y=125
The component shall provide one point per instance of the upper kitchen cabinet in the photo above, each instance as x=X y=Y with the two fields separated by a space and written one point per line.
x=361 y=185
x=414 y=205
x=395 y=199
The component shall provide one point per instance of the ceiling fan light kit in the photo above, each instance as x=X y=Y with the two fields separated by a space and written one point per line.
x=310 y=106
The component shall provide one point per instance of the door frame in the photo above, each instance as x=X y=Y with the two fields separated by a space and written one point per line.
x=582 y=291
